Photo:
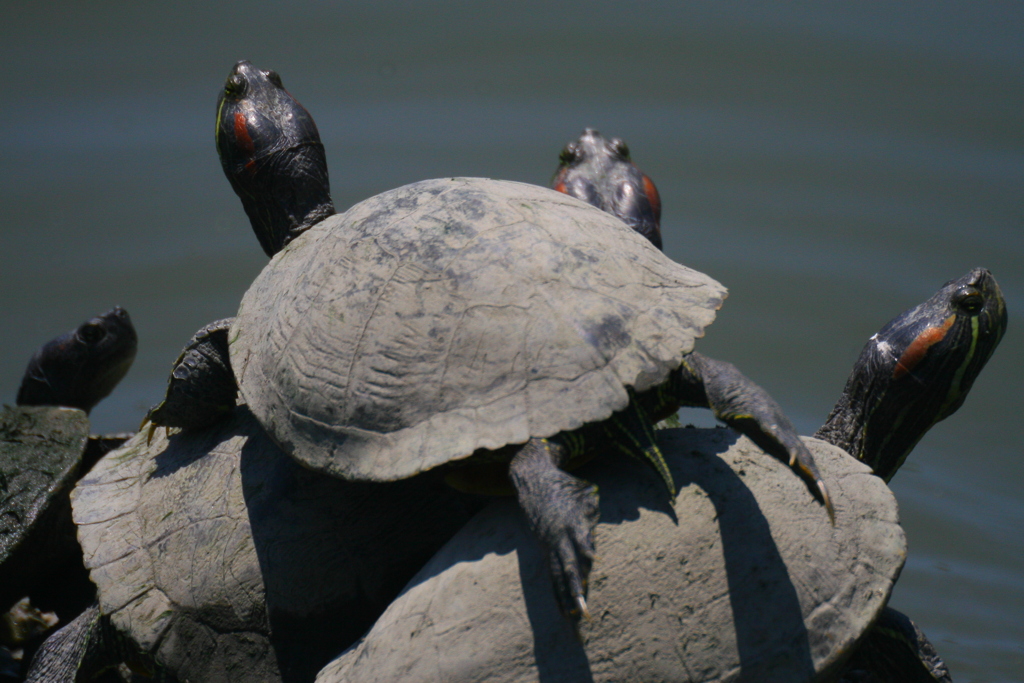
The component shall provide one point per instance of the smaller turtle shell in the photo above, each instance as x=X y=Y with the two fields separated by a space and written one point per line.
x=225 y=560
x=453 y=315
x=743 y=578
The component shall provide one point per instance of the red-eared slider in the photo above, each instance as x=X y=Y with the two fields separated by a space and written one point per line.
x=894 y=648
x=44 y=449
x=774 y=593
x=463 y=320
x=916 y=371
x=219 y=558
x=601 y=173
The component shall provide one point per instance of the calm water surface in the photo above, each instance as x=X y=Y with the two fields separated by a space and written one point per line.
x=831 y=166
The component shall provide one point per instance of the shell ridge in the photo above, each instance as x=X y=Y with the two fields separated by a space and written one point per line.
x=357 y=347
x=356 y=353
x=451 y=342
x=289 y=338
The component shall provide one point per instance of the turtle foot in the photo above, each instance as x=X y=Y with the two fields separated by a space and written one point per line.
x=201 y=390
x=569 y=539
x=562 y=511
x=747 y=408
x=790 y=448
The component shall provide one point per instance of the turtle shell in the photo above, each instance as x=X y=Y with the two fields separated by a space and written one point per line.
x=453 y=315
x=41 y=453
x=740 y=578
x=225 y=560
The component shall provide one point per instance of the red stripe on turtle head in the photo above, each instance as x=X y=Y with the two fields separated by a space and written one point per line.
x=919 y=347
x=558 y=184
x=653 y=197
x=242 y=134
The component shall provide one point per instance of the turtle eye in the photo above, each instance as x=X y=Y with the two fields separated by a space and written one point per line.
x=91 y=333
x=569 y=154
x=620 y=148
x=234 y=87
x=969 y=300
x=274 y=78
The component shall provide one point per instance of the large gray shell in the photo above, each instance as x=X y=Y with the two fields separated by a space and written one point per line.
x=741 y=578
x=451 y=315
x=226 y=560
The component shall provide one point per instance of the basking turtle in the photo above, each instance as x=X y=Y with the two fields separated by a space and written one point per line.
x=217 y=557
x=773 y=594
x=43 y=451
x=461 y=321
x=600 y=171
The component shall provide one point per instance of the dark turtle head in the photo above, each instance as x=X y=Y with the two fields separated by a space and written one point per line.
x=916 y=371
x=270 y=150
x=79 y=369
x=600 y=172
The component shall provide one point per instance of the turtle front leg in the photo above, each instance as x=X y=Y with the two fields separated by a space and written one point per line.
x=562 y=511
x=736 y=400
x=201 y=389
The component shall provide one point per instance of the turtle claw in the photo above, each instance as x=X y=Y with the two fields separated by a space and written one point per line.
x=581 y=602
x=149 y=427
x=570 y=560
x=802 y=462
x=828 y=502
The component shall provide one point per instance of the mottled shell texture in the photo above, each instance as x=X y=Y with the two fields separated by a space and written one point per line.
x=453 y=315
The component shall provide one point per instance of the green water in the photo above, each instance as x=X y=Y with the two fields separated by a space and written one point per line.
x=833 y=164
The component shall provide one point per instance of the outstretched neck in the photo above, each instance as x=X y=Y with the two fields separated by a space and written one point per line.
x=270 y=150
x=881 y=415
x=844 y=428
x=285 y=193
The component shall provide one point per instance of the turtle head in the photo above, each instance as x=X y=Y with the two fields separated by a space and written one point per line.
x=79 y=369
x=271 y=153
x=600 y=172
x=916 y=371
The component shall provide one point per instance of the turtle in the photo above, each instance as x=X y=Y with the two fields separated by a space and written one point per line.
x=601 y=172
x=774 y=594
x=218 y=557
x=45 y=446
x=239 y=568
x=457 y=322
x=218 y=581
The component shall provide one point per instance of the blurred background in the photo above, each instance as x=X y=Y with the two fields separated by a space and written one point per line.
x=832 y=164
